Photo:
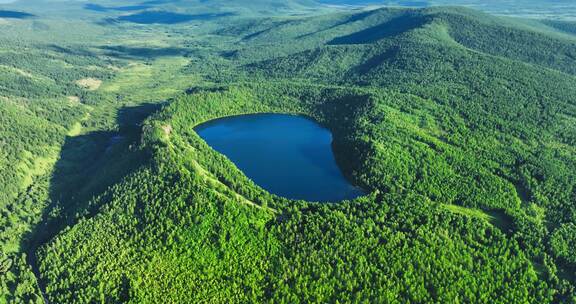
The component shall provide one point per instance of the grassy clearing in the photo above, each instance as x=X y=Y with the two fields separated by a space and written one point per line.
x=76 y=128
x=90 y=84
x=496 y=218
x=475 y=213
x=150 y=82
x=73 y=100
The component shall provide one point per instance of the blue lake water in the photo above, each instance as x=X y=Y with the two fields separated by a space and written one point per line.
x=290 y=156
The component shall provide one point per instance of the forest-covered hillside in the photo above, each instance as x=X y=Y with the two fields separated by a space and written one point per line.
x=460 y=125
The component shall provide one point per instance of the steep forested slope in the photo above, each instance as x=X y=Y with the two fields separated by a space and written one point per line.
x=49 y=99
x=380 y=31
x=462 y=133
x=40 y=103
x=564 y=26
x=191 y=214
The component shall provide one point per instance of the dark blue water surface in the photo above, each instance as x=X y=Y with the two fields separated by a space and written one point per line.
x=290 y=156
x=15 y=14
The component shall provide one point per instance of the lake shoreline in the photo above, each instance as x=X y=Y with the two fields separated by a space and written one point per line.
x=325 y=159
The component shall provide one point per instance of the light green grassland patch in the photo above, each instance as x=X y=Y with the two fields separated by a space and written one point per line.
x=475 y=213
x=76 y=128
x=151 y=82
x=33 y=166
x=495 y=218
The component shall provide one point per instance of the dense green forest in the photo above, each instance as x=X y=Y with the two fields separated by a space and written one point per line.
x=460 y=125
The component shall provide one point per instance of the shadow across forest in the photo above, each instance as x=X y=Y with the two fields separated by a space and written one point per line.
x=126 y=52
x=76 y=51
x=387 y=29
x=165 y=17
x=122 y=52
x=88 y=165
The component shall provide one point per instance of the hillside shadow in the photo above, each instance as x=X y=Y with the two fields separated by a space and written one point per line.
x=165 y=17
x=88 y=165
x=387 y=29
x=70 y=51
x=121 y=52
x=351 y=19
x=15 y=15
x=127 y=52
x=376 y=61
